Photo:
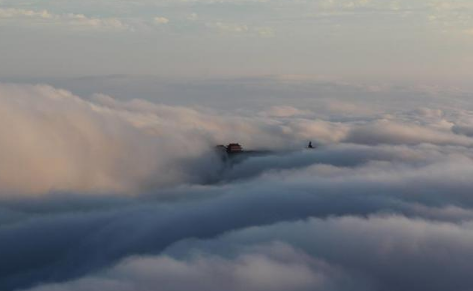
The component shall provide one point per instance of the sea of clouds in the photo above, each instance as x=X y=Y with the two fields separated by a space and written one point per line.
x=102 y=194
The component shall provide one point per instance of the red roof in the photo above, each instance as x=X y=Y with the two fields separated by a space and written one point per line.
x=234 y=147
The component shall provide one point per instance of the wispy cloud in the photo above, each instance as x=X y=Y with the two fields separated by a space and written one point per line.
x=71 y=20
x=240 y=29
x=161 y=20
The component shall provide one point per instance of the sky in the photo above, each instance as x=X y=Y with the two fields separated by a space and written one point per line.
x=400 y=41
x=110 y=112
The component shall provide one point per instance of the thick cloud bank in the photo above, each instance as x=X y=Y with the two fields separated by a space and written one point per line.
x=101 y=194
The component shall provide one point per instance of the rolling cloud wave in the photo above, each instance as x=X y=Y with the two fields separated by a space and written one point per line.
x=109 y=195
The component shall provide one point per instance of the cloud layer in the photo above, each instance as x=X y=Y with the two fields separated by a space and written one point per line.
x=102 y=194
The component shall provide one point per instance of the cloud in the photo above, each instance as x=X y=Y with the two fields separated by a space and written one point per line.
x=161 y=20
x=57 y=141
x=240 y=29
x=61 y=142
x=387 y=252
x=229 y=27
x=348 y=253
x=451 y=16
x=278 y=268
x=283 y=111
x=98 y=193
x=392 y=132
x=360 y=180
x=14 y=12
x=193 y=16
x=72 y=20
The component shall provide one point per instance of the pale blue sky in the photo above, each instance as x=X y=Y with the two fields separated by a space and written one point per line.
x=413 y=41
